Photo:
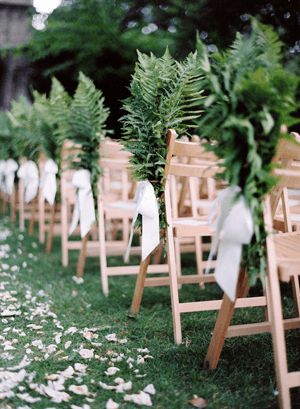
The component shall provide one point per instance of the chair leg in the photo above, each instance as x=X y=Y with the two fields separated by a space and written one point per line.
x=174 y=288
x=4 y=204
x=199 y=259
x=13 y=207
x=64 y=234
x=178 y=259
x=139 y=286
x=222 y=323
x=158 y=255
x=102 y=249
x=42 y=205
x=278 y=338
x=296 y=293
x=51 y=229
x=82 y=256
x=21 y=207
x=32 y=219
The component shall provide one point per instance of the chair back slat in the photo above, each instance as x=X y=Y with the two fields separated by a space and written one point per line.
x=115 y=180
x=70 y=153
x=193 y=150
x=193 y=170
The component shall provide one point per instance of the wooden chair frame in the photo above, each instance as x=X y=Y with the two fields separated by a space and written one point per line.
x=282 y=266
x=194 y=150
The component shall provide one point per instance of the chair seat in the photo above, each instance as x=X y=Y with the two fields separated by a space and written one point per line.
x=119 y=209
x=189 y=227
x=287 y=247
x=190 y=222
x=121 y=205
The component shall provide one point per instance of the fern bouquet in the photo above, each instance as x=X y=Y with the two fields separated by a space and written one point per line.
x=248 y=96
x=49 y=116
x=85 y=124
x=6 y=138
x=26 y=141
x=165 y=94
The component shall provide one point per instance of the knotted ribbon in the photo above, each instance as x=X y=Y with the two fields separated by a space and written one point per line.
x=84 y=210
x=2 y=173
x=147 y=207
x=10 y=171
x=29 y=173
x=234 y=227
x=49 y=181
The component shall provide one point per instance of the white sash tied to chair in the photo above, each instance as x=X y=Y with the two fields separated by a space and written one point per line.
x=147 y=207
x=2 y=173
x=49 y=186
x=234 y=227
x=84 y=210
x=29 y=173
x=10 y=171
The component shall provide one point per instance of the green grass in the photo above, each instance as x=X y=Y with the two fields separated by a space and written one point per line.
x=244 y=378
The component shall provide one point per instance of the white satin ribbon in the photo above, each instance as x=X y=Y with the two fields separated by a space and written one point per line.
x=84 y=210
x=29 y=173
x=48 y=184
x=10 y=171
x=147 y=206
x=234 y=227
x=2 y=173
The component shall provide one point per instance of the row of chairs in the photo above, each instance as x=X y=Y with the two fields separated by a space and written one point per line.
x=190 y=188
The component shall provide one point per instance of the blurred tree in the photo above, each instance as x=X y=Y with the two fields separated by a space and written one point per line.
x=90 y=36
x=217 y=20
x=100 y=37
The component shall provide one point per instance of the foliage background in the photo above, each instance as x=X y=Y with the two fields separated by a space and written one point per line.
x=100 y=37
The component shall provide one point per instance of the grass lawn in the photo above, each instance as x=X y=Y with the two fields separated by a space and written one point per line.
x=56 y=322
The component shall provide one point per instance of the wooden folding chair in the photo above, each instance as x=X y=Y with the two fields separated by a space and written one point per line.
x=115 y=210
x=283 y=265
x=49 y=219
x=196 y=226
x=68 y=199
x=27 y=211
x=283 y=251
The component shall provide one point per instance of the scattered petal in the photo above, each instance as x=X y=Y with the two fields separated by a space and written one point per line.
x=110 y=404
x=86 y=353
x=150 y=389
x=78 y=280
x=79 y=389
x=112 y=370
x=141 y=398
x=197 y=402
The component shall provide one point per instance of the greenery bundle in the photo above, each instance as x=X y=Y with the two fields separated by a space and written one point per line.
x=248 y=97
x=165 y=94
x=85 y=124
x=6 y=138
x=23 y=121
x=49 y=118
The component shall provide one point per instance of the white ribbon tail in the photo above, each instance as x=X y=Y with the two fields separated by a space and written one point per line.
x=234 y=228
x=49 y=186
x=11 y=168
x=2 y=173
x=147 y=207
x=75 y=217
x=29 y=173
x=84 y=210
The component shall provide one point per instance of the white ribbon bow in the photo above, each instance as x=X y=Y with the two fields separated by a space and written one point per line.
x=2 y=172
x=10 y=170
x=147 y=206
x=84 y=210
x=48 y=184
x=29 y=173
x=234 y=227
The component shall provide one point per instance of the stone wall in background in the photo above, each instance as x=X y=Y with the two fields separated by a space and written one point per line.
x=14 y=31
